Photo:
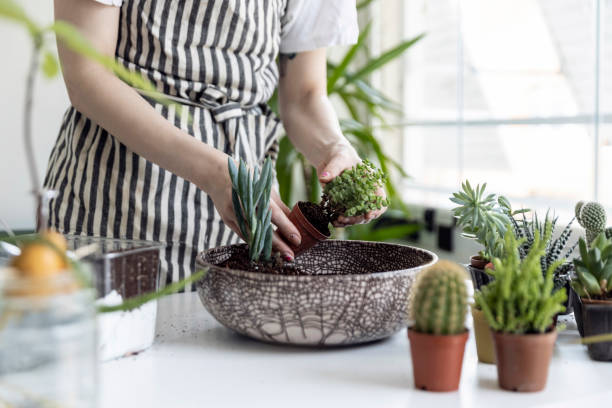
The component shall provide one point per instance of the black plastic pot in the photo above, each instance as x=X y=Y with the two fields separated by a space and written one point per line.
x=577 y=311
x=479 y=277
x=570 y=301
x=597 y=319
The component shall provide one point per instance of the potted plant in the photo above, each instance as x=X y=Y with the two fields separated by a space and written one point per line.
x=483 y=218
x=593 y=284
x=352 y=193
x=592 y=217
x=519 y=305
x=437 y=338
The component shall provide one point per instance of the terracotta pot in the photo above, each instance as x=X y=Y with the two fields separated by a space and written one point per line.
x=310 y=235
x=437 y=360
x=523 y=360
x=478 y=262
x=484 y=340
x=490 y=266
x=597 y=319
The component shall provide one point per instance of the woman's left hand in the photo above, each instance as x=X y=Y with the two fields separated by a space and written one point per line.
x=340 y=158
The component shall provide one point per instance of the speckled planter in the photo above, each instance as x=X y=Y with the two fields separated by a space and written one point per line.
x=351 y=292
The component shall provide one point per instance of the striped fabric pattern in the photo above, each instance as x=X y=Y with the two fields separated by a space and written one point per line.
x=219 y=57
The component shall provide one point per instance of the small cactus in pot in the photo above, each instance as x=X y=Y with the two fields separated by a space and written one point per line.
x=592 y=217
x=437 y=339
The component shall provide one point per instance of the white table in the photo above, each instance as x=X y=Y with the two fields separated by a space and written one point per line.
x=195 y=362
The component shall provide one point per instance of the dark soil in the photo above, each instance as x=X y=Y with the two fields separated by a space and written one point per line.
x=316 y=215
x=240 y=261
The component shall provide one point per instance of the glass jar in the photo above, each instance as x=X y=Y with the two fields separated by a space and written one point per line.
x=48 y=350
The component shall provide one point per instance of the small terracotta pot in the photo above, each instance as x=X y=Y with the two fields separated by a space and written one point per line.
x=523 y=360
x=310 y=235
x=597 y=319
x=484 y=340
x=437 y=360
x=478 y=262
x=490 y=266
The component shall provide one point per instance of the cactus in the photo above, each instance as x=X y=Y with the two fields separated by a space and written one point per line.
x=577 y=209
x=521 y=298
x=594 y=269
x=251 y=200
x=592 y=217
x=439 y=299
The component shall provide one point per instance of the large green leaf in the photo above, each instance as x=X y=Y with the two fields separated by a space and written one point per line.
x=340 y=69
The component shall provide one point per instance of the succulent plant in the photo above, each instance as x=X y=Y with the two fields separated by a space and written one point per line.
x=354 y=191
x=251 y=200
x=483 y=217
x=592 y=217
x=593 y=277
x=439 y=299
x=555 y=249
x=521 y=299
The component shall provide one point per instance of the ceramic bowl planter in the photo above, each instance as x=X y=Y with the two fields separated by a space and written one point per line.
x=346 y=292
x=437 y=360
x=484 y=340
x=309 y=233
x=523 y=360
x=596 y=318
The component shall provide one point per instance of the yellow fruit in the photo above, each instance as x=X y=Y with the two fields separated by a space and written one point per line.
x=55 y=238
x=39 y=260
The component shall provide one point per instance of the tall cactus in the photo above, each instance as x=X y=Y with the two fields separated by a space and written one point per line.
x=251 y=200
x=439 y=299
x=592 y=217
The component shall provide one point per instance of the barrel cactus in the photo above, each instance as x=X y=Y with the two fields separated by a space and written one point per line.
x=439 y=300
x=592 y=217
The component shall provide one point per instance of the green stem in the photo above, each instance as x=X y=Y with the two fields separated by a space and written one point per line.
x=138 y=301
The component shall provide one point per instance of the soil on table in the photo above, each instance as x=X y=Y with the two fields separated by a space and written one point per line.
x=240 y=261
x=316 y=215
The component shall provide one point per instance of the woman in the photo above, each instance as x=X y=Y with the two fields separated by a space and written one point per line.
x=128 y=167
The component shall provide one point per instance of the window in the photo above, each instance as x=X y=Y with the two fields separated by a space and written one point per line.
x=517 y=93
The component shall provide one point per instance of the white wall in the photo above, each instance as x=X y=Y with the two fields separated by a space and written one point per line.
x=51 y=101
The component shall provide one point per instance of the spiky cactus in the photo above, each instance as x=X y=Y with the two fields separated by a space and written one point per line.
x=251 y=200
x=592 y=217
x=439 y=299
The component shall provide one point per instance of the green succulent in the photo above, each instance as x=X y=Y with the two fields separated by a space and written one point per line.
x=483 y=217
x=521 y=299
x=592 y=217
x=251 y=201
x=354 y=191
x=555 y=249
x=593 y=277
x=439 y=299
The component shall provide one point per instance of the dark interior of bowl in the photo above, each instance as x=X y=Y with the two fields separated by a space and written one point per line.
x=338 y=257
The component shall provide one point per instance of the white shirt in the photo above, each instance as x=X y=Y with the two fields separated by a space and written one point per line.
x=311 y=24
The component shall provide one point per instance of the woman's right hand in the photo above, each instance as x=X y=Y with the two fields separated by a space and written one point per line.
x=219 y=188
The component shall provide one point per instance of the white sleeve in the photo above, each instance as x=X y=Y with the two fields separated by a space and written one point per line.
x=311 y=24
x=116 y=3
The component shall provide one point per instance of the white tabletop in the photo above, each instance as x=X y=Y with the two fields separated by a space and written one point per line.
x=196 y=362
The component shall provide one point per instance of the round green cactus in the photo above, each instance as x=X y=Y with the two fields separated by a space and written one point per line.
x=593 y=219
x=439 y=299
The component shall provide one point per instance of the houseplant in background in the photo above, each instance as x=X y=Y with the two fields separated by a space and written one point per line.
x=438 y=308
x=353 y=193
x=348 y=82
x=593 y=285
x=519 y=305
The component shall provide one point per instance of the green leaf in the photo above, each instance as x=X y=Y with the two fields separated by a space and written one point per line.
x=233 y=172
x=49 y=66
x=13 y=11
x=340 y=69
x=385 y=58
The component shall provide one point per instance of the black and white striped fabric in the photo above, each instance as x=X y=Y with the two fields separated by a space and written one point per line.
x=218 y=58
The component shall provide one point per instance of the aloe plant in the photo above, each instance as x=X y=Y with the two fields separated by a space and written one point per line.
x=555 y=249
x=349 y=82
x=251 y=200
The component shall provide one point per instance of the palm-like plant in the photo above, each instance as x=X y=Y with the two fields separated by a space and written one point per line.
x=350 y=84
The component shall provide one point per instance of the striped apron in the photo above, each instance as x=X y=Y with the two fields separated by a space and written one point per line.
x=217 y=58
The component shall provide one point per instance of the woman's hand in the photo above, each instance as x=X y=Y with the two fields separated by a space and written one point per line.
x=342 y=157
x=220 y=191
